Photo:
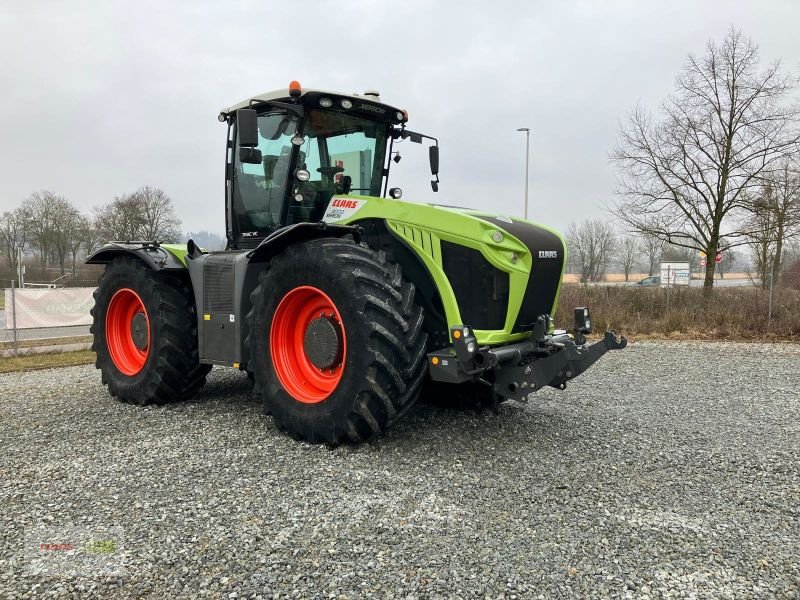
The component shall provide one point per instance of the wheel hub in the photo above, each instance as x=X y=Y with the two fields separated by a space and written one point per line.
x=139 y=332
x=322 y=342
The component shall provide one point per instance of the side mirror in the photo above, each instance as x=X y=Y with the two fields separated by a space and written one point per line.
x=433 y=154
x=247 y=127
x=250 y=156
x=435 y=185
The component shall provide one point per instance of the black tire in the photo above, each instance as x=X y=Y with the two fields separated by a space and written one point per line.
x=172 y=369
x=384 y=364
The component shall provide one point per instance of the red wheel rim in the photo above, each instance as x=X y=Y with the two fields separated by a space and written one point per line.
x=304 y=381
x=125 y=305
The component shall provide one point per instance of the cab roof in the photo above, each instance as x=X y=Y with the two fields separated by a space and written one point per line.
x=283 y=94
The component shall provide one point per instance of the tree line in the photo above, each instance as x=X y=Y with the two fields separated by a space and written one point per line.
x=58 y=233
x=596 y=248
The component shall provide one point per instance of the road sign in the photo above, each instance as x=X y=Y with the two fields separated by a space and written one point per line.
x=703 y=261
x=675 y=273
x=718 y=258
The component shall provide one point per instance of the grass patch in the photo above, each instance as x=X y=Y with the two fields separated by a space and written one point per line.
x=78 y=339
x=732 y=313
x=46 y=361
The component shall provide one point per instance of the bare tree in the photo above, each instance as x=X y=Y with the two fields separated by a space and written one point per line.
x=629 y=251
x=14 y=229
x=685 y=176
x=66 y=233
x=76 y=237
x=119 y=220
x=654 y=248
x=779 y=203
x=591 y=244
x=145 y=214
x=44 y=209
x=159 y=221
x=762 y=244
x=91 y=236
x=774 y=220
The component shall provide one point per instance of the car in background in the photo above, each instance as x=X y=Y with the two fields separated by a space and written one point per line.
x=653 y=281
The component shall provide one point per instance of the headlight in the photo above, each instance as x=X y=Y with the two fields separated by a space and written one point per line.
x=346 y=103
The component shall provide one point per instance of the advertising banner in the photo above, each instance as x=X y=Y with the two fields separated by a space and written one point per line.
x=60 y=307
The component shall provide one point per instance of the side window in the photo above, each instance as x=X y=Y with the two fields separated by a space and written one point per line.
x=260 y=185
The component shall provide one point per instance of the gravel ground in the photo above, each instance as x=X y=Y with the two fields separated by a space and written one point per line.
x=668 y=470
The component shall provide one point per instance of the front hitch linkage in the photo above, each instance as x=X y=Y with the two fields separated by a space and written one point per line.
x=524 y=367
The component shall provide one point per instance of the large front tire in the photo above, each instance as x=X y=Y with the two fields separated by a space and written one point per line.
x=336 y=341
x=145 y=334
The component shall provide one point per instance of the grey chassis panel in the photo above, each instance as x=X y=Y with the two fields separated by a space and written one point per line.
x=222 y=338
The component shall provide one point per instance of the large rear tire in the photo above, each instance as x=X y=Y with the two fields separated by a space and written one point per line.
x=145 y=334
x=336 y=341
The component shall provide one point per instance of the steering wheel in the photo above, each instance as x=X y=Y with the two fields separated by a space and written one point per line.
x=330 y=171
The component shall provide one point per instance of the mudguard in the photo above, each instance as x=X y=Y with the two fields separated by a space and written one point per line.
x=159 y=257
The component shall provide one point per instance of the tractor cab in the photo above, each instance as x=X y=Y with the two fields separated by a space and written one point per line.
x=290 y=154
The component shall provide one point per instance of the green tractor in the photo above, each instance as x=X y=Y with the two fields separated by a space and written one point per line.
x=339 y=299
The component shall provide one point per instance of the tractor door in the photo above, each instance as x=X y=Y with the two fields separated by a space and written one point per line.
x=260 y=177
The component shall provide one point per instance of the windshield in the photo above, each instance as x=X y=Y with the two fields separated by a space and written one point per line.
x=343 y=154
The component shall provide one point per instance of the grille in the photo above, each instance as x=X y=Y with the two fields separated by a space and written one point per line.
x=218 y=284
x=481 y=290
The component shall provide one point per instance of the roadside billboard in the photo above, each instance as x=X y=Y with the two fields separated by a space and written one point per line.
x=61 y=307
x=675 y=273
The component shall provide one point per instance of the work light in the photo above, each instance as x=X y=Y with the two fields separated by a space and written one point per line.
x=583 y=321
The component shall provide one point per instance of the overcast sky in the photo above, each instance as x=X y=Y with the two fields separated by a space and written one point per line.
x=99 y=98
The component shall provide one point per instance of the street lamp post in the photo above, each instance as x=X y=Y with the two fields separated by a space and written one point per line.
x=527 y=163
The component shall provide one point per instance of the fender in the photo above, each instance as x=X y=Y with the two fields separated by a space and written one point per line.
x=299 y=232
x=159 y=257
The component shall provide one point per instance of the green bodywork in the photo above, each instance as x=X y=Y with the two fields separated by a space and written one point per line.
x=423 y=226
x=177 y=250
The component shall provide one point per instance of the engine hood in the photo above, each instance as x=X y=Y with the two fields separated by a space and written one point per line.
x=512 y=261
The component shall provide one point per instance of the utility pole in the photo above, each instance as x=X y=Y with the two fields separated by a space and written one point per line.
x=527 y=163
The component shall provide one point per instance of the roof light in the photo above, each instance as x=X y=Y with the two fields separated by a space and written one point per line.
x=346 y=103
x=399 y=116
x=294 y=89
x=325 y=102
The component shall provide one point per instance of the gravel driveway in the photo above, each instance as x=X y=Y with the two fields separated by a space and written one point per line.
x=668 y=470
